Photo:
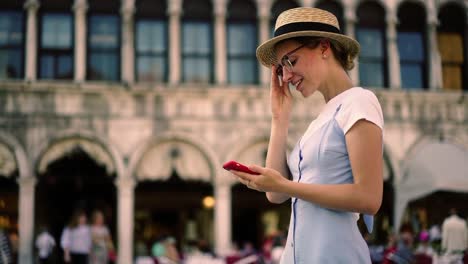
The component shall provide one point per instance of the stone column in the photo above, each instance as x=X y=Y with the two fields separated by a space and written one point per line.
x=220 y=43
x=222 y=218
x=264 y=35
x=465 y=69
x=31 y=7
x=350 y=23
x=80 y=7
x=174 y=12
x=128 y=54
x=125 y=210
x=394 y=72
x=434 y=69
x=26 y=219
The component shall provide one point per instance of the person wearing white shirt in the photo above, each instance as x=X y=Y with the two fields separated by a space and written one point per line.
x=454 y=233
x=45 y=244
x=76 y=240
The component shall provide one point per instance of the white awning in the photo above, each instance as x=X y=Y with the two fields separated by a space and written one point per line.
x=436 y=166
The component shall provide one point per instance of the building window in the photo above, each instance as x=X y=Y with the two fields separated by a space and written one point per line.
x=197 y=42
x=103 y=47
x=242 y=42
x=56 y=46
x=451 y=41
x=11 y=45
x=370 y=33
x=151 y=41
x=277 y=8
x=335 y=8
x=411 y=46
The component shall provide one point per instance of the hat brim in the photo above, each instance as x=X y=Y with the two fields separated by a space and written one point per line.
x=266 y=51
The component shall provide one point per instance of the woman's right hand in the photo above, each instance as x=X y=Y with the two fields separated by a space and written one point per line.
x=280 y=97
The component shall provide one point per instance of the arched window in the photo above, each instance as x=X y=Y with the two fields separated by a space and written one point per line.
x=277 y=8
x=370 y=33
x=334 y=8
x=451 y=41
x=55 y=40
x=197 y=41
x=103 y=40
x=412 y=45
x=151 y=40
x=12 y=39
x=242 y=42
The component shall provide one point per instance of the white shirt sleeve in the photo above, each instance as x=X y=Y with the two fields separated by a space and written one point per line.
x=361 y=105
x=65 y=239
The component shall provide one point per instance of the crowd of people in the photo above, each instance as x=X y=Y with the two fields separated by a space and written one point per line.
x=92 y=244
x=447 y=244
x=81 y=243
x=165 y=251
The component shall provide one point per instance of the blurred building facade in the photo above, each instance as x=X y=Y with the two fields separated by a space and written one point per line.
x=132 y=106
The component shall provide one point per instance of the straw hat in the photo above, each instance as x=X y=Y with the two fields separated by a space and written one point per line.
x=305 y=22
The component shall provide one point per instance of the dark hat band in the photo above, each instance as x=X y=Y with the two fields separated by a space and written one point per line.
x=305 y=26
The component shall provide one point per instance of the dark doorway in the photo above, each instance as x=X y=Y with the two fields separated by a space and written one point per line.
x=436 y=207
x=248 y=216
x=74 y=182
x=9 y=210
x=172 y=208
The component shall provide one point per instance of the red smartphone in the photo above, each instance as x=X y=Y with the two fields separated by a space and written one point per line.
x=234 y=165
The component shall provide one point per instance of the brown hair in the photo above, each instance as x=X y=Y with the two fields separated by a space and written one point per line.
x=76 y=218
x=96 y=214
x=341 y=55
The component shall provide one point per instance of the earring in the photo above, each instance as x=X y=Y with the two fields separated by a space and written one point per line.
x=324 y=56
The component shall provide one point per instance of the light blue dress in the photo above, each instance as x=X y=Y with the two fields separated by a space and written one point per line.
x=317 y=234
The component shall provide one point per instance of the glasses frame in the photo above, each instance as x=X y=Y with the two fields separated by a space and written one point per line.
x=286 y=62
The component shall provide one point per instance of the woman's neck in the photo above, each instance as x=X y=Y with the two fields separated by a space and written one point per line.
x=337 y=82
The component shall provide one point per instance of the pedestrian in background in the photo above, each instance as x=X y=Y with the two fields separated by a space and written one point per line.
x=102 y=245
x=5 y=248
x=45 y=244
x=454 y=233
x=76 y=240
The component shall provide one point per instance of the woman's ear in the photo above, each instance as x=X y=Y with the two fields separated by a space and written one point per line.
x=324 y=45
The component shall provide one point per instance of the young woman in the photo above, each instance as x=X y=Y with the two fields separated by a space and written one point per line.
x=76 y=239
x=101 y=240
x=334 y=172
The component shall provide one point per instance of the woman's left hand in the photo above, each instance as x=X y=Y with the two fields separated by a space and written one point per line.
x=269 y=180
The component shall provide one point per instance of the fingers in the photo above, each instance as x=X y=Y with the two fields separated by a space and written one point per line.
x=245 y=178
x=278 y=83
x=275 y=79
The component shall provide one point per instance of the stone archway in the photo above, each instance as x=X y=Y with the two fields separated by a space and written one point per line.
x=16 y=167
x=74 y=173
x=173 y=176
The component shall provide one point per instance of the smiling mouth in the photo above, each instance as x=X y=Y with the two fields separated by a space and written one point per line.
x=297 y=84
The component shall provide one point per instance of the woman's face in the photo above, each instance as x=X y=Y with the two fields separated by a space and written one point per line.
x=99 y=219
x=82 y=219
x=307 y=70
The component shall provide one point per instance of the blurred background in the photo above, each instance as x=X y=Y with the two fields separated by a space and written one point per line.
x=131 y=107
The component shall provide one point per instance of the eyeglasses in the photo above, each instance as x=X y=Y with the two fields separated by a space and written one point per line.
x=286 y=62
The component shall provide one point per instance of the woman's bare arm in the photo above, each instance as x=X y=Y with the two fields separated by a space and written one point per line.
x=281 y=104
x=364 y=144
x=276 y=157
